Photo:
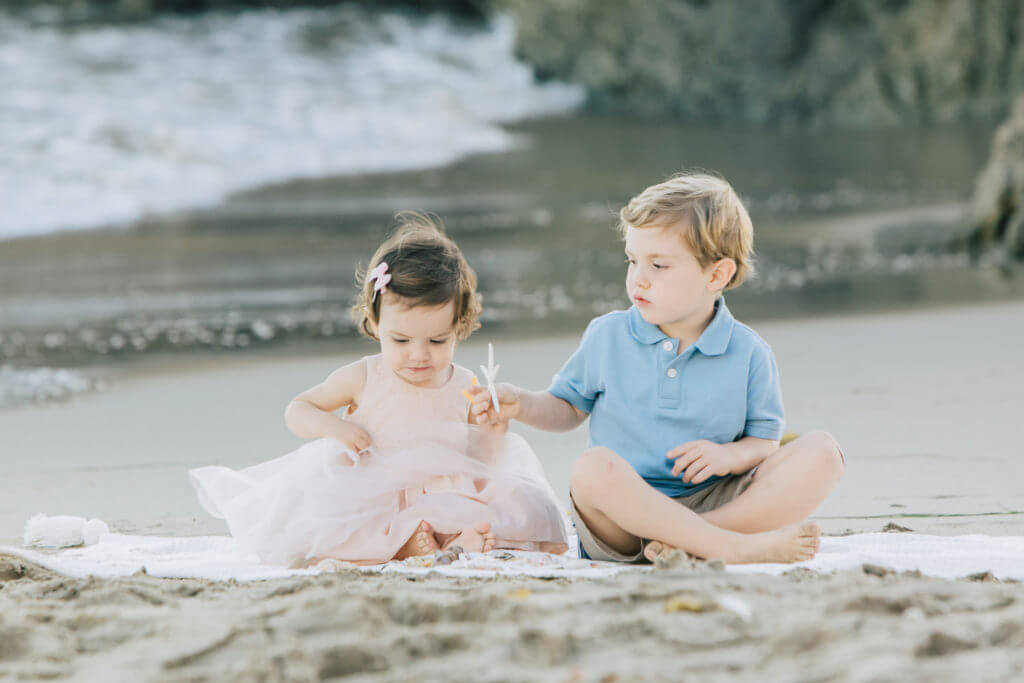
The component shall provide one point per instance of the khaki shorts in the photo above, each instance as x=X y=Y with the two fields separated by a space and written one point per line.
x=714 y=496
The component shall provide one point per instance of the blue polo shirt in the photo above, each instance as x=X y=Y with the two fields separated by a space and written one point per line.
x=646 y=397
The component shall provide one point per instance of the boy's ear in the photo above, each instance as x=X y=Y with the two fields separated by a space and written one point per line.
x=722 y=272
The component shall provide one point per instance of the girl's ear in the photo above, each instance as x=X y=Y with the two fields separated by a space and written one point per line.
x=370 y=324
x=722 y=272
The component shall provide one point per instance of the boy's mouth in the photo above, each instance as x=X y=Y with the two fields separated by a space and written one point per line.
x=640 y=301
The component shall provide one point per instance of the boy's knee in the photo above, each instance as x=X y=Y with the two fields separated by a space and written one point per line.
x=828 y=448
x=594 y=471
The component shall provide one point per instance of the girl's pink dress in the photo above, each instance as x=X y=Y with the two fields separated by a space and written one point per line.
x=425 y=463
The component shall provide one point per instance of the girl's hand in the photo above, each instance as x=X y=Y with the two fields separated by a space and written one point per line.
x=356 y=439
x=699 y=460
x=481 y=409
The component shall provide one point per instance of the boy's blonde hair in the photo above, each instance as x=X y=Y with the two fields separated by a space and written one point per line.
x=427 y=268
x=707 y=213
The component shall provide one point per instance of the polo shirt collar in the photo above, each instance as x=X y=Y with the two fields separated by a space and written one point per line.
x=715 y=338
x=712 y=342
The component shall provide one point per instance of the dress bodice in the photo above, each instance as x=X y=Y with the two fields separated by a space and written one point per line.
x=389 y=405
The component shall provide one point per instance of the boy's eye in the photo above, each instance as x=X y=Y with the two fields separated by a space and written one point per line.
x=438 y=341
x=659 y=266
x=399 y=341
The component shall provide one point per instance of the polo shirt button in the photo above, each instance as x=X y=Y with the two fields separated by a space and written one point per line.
x=667 y=345
x=672 y=372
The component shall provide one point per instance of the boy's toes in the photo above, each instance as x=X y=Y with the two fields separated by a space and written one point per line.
x=810 y=529
x=653 y=550
x=807 y=547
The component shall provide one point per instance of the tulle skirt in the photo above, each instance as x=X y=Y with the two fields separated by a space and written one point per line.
x=314 y=503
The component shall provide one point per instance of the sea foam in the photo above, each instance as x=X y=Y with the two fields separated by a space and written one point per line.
x=102 y=125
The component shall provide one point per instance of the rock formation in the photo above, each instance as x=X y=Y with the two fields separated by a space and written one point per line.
x=854 y=63
x=997 y=209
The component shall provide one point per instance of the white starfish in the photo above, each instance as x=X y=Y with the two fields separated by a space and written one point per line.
x=490 y=374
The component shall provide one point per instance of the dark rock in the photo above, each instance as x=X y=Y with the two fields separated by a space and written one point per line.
x=997 y=208
x=940 y=644
x=875 y=570
x=858 y=63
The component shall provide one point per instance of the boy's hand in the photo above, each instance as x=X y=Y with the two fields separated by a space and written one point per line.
x=702 y=459
x=482 y=408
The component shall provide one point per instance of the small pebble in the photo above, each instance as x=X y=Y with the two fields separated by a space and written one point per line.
x=443 y=557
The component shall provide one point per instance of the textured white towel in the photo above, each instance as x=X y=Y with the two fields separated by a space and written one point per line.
x=948 y=557
x=217 y=558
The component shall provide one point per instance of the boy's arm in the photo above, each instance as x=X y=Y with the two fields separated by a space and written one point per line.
x=546 y=411
x=698 y=460
x=310 y=415
x=750 y=451
x=538 y=409
x=565 y=405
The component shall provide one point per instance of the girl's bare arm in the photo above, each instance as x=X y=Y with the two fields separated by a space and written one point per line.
x=310 y=415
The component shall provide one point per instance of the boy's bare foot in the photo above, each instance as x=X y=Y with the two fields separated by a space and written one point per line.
x=476 y=539
x=794 y=543
x=655 y=549
x=422 y=542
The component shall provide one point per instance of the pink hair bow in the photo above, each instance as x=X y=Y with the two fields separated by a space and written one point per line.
x=380 y=278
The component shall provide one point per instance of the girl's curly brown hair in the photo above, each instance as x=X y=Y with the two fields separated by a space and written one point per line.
x=427 y=268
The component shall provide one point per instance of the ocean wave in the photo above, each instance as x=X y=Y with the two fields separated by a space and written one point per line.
x=103 y=125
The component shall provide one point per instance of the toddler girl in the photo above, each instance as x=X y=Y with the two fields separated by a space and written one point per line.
x=405 y=472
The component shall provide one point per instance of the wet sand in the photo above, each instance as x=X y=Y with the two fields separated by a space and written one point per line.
x=924 y=403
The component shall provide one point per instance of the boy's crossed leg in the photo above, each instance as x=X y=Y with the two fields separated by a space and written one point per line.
x=620 y=508
x=787 y=487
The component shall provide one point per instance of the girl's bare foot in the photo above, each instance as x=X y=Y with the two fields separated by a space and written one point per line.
x=422 y=542
x=553 y=547
x=476 y=539
x=794 y=543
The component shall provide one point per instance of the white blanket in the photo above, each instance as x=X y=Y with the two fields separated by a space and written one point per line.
x=217 y=558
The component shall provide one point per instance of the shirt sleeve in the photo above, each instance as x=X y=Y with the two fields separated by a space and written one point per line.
x=578 y=381
x=765 y=416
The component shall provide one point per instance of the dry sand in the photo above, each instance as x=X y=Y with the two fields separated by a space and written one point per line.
x=926 y=405
x=669 y=624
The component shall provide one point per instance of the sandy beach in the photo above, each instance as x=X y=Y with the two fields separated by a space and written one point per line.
x=923 y=403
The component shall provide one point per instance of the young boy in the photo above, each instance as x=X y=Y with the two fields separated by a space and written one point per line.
x=684 y=401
